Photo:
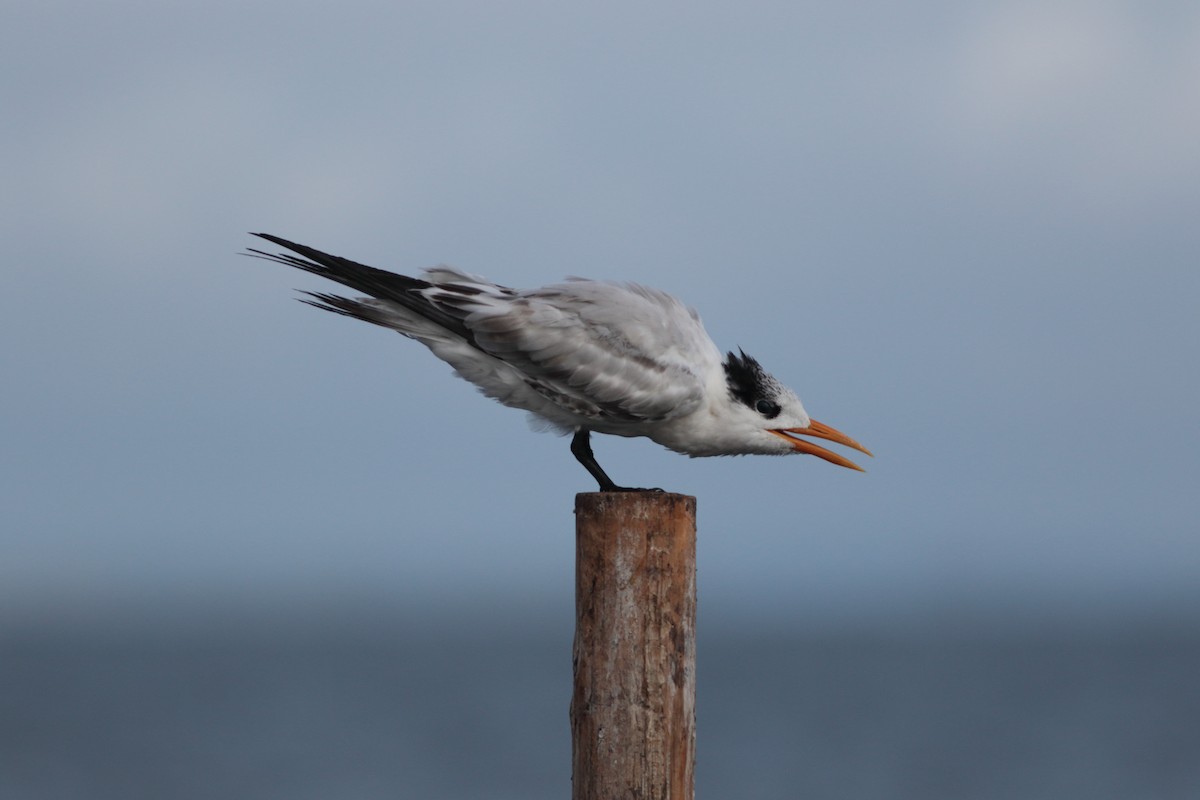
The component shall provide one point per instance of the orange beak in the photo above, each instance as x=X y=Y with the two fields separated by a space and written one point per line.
x=821 y=431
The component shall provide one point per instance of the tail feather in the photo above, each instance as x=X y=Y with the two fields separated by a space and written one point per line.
x=376 y=282
x=367 y=312
x=380 y=284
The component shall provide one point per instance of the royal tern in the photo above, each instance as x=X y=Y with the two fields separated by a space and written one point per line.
x=583 y=356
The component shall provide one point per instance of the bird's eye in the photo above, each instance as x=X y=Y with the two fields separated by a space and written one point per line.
x=767 y=408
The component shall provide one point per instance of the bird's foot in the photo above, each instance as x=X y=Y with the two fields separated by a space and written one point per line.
x=581 y=448
x=615 y=488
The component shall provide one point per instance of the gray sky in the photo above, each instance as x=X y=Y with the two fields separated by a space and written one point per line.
x=964 y=232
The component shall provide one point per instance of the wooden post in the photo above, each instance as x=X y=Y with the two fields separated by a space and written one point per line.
x=633 y=711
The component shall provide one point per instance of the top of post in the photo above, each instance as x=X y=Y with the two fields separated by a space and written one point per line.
x=645 y=502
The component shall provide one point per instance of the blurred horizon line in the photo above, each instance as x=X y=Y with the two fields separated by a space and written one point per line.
x=513 y=612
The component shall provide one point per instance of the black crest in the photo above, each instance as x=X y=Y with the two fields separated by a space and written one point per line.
x=751 y=385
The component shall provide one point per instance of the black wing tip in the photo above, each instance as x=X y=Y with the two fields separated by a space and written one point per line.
x=281 y=258
x=279 y=240
x=304 y=250
x=344 y=306
x=377 y=283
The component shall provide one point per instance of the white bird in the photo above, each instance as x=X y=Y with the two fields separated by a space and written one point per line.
x=583 y=356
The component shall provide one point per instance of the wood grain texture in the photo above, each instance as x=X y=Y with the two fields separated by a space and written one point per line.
x=633 y=718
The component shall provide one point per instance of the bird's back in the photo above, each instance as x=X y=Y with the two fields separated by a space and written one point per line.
x=627 y=353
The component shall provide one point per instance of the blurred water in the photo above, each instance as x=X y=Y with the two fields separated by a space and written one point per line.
x=383 y=710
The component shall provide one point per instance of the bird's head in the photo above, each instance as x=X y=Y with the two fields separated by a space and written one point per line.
x=773 y=416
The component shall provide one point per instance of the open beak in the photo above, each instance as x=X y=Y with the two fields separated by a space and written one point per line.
x=820 y=431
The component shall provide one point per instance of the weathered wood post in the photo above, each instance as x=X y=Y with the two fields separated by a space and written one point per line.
x=633 y=717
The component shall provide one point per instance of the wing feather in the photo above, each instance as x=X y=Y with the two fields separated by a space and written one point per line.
x=604 y=352
x=630 y=351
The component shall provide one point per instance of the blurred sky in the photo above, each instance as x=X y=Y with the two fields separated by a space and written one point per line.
x=966 y=233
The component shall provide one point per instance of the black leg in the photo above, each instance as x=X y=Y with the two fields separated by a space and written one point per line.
x=581 y=448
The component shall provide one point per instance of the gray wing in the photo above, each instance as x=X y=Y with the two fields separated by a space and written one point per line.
x=616 y=353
